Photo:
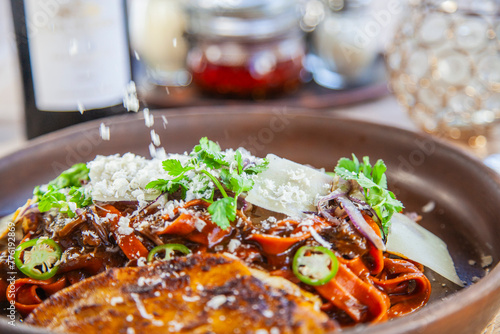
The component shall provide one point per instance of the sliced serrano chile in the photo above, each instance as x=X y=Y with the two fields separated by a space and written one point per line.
x=315 y=265
x=37 y=258
x=169 y=250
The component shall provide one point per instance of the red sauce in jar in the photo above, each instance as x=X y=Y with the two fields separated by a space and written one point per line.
x=243 y=81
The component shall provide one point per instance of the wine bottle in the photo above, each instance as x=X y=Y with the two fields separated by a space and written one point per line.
x=75 y=60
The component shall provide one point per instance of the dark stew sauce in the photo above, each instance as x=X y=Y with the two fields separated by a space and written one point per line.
x=381 y=287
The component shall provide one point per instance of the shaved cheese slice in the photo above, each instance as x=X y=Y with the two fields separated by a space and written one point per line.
x=288 y=187
x=412 y=241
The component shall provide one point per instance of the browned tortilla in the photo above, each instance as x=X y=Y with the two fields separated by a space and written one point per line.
x=195 y=294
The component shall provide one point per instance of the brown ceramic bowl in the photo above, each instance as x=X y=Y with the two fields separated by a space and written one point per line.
x=465 y=192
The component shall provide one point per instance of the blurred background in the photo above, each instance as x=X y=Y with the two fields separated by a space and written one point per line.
x=423 y=65
x=307 y=53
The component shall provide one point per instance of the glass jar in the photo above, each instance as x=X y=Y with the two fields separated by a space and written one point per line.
x=158 y=38
x=245 y=48
x=444 y=68
x=344 y=47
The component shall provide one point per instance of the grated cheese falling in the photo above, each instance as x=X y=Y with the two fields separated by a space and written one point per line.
x=149 y=119
x=81 y=107
x=104 y=132
x=130 y=100
x=152 y=150
x=155 y=138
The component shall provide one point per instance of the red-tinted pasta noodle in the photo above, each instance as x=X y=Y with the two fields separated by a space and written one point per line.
x=369 y=286
x=26 y=295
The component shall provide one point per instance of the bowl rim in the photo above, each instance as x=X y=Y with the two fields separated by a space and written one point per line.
x=432 y=312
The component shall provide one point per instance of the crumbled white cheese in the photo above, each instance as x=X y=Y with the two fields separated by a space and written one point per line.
x=246 y=157
x=116 y=300
x=141 y=262
x=216 y=302
x=124 y=226
x=115 y=177
x=200 y=186
x=288 y=187
x=199 y=224
x=233 y=245
x=108 y=217
x=191 y=299
x=141 y=281
x=72 y=206
x=268 y=313
x=174 y=326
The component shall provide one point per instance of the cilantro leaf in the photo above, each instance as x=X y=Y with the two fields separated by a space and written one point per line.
x=374 y=183
x=169 y=186
x=79 y=197
x=239 y=184
x=50 y=199
x=209 y=153
x=65 y=192
x=223 y=212
x=212 y=169
x=257 y=168
x=76 y=176
x=239 y=161
x=174 y=167
x=55 y=198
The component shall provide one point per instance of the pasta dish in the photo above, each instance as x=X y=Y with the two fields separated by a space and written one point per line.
x=211 y=241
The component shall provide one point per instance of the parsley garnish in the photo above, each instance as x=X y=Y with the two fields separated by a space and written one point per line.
x=374 y=183
x=64 y=192
x=209 y=169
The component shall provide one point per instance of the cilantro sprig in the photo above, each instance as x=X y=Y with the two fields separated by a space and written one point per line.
x=65 y=192
x=374 y=183
x=208 y=169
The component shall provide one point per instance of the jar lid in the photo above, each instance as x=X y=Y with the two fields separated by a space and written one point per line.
x=254 y=19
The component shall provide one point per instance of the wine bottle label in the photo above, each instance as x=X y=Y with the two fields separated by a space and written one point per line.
x=79 y=53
